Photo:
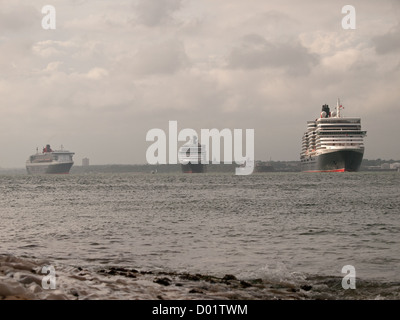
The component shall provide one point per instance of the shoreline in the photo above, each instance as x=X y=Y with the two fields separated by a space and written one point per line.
x=21 y=279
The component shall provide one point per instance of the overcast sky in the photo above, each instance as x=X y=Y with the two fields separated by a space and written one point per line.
x=113 y=70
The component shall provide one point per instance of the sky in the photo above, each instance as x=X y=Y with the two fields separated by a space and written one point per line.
x=113 y=70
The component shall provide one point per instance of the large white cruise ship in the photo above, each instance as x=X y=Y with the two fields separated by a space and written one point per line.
x=49 y=161
x=332 y=143
x=192 y=157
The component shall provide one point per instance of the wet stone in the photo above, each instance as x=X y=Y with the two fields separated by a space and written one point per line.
x=74 y=293
x=257 y=281
x=228 y=277
x=306 y=287
x=245 y=284
x=130 y=275
x=190 y=277
x=195 y=291
x=163 y=281
x=146 y=272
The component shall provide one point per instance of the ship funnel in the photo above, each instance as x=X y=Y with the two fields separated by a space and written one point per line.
x=325 y=108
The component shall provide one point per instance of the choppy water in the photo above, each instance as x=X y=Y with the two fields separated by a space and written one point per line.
x=272 y=225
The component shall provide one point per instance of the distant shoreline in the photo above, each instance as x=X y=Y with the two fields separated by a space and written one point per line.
x=278 y=166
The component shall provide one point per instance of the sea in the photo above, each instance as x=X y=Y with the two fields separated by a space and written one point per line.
x=269 y=235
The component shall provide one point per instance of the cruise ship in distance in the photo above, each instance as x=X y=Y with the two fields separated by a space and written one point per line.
x=332 y=143
x=263 y=166
x=192 y=157
x=49 y=161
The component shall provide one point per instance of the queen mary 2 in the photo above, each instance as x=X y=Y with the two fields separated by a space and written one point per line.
x=49 y=161
x=332 y=143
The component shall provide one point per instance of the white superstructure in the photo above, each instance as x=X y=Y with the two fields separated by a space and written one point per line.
x=192 y=152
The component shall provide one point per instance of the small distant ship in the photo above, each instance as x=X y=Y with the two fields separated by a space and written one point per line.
x=192 y=157
x=332 y=143
x=49 y=161
x=262 y=166
x=258 y=166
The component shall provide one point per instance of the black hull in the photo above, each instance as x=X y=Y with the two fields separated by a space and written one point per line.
x=59 y=168
x=337 y=161
x=193 y=168
x=264 y=168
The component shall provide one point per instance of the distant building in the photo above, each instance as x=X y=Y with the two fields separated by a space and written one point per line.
x=85 y=162
x=385 y=166
x=395 y=165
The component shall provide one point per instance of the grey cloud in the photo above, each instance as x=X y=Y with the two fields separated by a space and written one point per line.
x=157 y=58
x=152 y=13
x=388 y=42
x=256 y=52
x=20 y=17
